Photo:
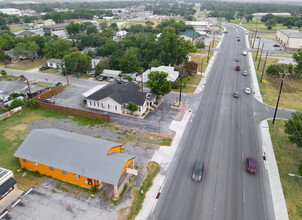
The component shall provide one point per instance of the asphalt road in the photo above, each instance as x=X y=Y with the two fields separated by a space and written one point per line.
x=222 y=133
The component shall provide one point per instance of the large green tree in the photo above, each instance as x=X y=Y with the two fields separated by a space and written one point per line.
x=129 y=64
x=4 y=57
x=57 y=48
x=32 y=50
x=77 y=62
x=158 y=83
x=293 y=127
x=73 y=28
x=20 y=50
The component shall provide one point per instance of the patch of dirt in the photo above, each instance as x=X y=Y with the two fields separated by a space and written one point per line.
x=15 y=132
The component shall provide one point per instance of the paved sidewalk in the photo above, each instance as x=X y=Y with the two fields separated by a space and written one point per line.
x=280 y=209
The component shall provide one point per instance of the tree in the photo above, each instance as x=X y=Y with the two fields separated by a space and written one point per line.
x=113 y=26
x=270 y=23
x=91 y=29
x=27 y=19
x=73 y=28
x=298 y=58
x=4 y=57
x=132 y=107
x=129 y=64
x=267 y=17
x=191 y=67
x=200 y=44
x=3 y=72
x=158 y=83
x=103 y=25
x=293 y=127
x=57 y=48
x=32 y=50
x=298 y=23
x=77 y=62
x=249 y=18
x=20 y=50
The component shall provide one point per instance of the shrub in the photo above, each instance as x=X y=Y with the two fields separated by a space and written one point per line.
x=31 y=103
x=21 y=76
x=3 y=72
x=16 y=103
x=300 y=169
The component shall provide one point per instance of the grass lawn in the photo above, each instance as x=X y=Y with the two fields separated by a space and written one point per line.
x=262 y=29
x=9 y=77
x=291 y=91
x=194 y=79
x=16 y=28
x=201 y=59
x=28 y=64
x=138 y=198
x=288 y=158
x=50 y=71
x=127 y=24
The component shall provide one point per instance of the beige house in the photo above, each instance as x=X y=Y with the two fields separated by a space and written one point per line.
x=290 y=39
x=115 y=98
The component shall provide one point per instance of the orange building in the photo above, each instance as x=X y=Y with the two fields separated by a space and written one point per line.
x=74 y=158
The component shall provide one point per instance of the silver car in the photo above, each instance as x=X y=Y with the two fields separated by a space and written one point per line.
x=244 y=73
x=247 y=91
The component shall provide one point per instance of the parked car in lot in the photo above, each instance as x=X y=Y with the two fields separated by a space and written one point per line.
x=225 y=32
x=247 y=90
x=251 y=165
x=245 y=73
x=49 y=101
x=237 y=68
x=198 y=171
x=236 y=94
x=23 y=79
x=55 y=85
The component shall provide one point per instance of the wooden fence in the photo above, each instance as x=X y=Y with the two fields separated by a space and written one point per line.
x=75 y=112
x=49 y=93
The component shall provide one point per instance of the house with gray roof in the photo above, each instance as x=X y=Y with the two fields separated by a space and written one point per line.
x=54 y=63
x=79 y=159
x=115 y=98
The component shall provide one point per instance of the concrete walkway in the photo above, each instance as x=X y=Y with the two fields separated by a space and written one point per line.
x=279 y=203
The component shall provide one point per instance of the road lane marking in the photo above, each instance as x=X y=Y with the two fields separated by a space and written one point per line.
x=243 y=196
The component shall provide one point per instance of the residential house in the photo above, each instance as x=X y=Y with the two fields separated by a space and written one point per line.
x=190 y=35
x=54 y=63
x=290 y=39
x=60 y=34
x=108 y=18
x=10 y=53
x=54 y=27
x=94 y=63
x=120 y=35
x=111 y=74
x=78 y=159
x=172 y=74
x=49 y=22
x=7 y=186
x=26 y=33
x=115 y=98
x=11 y=11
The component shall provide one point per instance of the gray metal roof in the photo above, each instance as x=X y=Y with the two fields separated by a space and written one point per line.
x=121 y=93
x=4 y=173
x=292 y=33
x=75 y=153
x=57 y=61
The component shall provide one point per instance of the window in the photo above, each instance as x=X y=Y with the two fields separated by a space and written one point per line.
x=139 y=109
x=24 y=160
x=108 y=106
x=102 y=105
x=89 y=181
x=64 y=172
x=98 y=104
x=50 y=168
x=90 y=102
x=94 y=103
x=115 y=108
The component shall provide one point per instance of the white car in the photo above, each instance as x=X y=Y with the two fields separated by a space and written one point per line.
x=244 y=73
x=244 y=53
x=247 y=91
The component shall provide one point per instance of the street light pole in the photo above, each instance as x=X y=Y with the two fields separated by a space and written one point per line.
x=182 y=68
x=258 y=48
x=278 y=98
x=66 y=73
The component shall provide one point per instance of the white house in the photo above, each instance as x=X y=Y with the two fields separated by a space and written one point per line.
x=115 y=98
x=290 y=39
x=54 y=63
x=120 y=35
x=11 y=11
x=172 y=74
x=61 y=34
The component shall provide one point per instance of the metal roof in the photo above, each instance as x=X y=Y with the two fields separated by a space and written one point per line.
x=4 y=173
x=75 y=153
x=292 y=33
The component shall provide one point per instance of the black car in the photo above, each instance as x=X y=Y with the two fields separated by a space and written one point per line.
x=236 y=94
x=237 y=60
x=276 y=45
x=198 y=171
x=238 y=39
x=44 y=68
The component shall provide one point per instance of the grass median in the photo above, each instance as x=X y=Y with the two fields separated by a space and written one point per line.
x=288 y=157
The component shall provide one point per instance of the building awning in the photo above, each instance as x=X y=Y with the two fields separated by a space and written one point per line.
x=6 y=185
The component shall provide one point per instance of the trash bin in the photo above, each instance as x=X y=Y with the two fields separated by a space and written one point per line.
x=78 y=76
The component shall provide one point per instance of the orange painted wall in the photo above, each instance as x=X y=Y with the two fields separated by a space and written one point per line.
x=127 y=164
x=57 y=173
x=115 y=149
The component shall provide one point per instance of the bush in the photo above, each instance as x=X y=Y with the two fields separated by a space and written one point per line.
x=300 y=169
x=289 y=27
x=21 y=76
x=31 y=103
x=16 y=103
x=15 y=95
x=175 y=85
x=3 y=72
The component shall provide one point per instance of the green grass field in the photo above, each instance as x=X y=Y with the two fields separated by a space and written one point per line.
x=16 y=28
x=288 y=158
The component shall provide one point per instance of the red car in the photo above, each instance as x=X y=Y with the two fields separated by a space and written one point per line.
x=23 y=79
x=237 y=68
x=251 y=165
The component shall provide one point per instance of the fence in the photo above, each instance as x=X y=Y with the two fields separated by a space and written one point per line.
x=10 y=113
x=49 y=93
x=73 y=111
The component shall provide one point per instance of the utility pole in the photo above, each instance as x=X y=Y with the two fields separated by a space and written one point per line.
x=66 y=73
x=264 y=66
x=214 y=39
x=278 y=98
x=258 y=48
x=28 y=88
x=182 y=69
x=201 y=64
x=254 y=38
x=260 y=56
x=209 y=53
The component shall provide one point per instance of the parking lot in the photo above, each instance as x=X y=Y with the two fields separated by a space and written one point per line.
x=158 y=121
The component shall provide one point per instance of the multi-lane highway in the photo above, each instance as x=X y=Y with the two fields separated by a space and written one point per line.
x=223 y=132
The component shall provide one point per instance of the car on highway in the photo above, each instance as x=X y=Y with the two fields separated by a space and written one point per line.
x=237 y=68
x=49 y=101
x=251 y=165
x=238 y=39
x=237 y=60
x=245 y=73
x=236 y=94
x=198 y=171
x=276 y=45
x=247 y=90
x=244 y=53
